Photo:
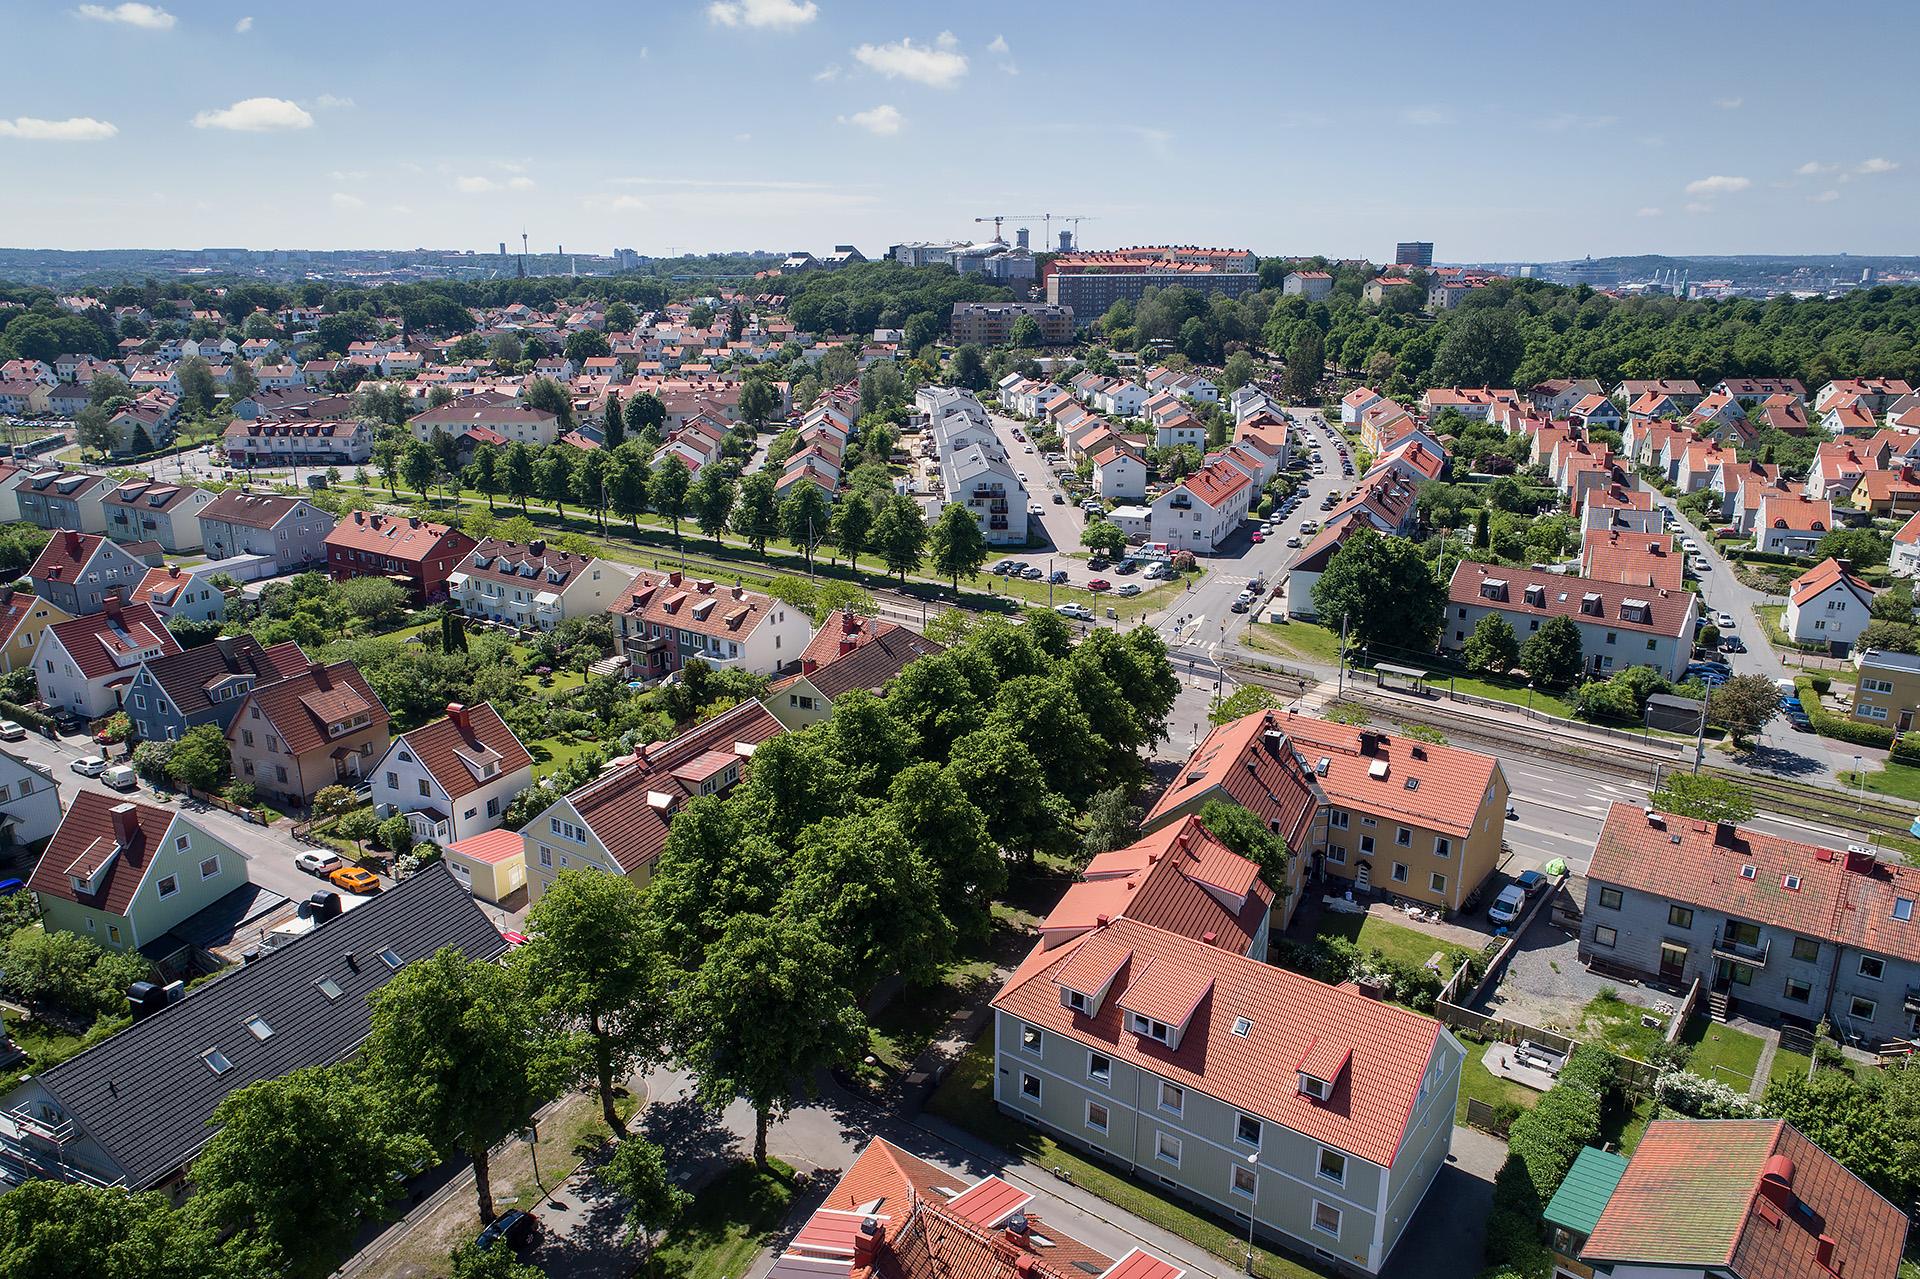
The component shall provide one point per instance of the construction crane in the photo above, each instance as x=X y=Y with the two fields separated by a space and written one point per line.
x=1075 y=219
x=998 y=218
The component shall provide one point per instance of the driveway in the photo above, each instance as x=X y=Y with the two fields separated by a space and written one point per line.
x=1445 y=1237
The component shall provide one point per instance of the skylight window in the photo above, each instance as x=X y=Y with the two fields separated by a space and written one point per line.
x=390 y=959
x=1791 y=883
x=1748 y=872
x=329 y=987
x=1243 y=1026
x=216 y=1061
x=259 y=1028
x=1903 y=908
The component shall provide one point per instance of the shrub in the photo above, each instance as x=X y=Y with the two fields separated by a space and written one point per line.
x=1906 y=750
x=1839 y=727
x=1698 y=1098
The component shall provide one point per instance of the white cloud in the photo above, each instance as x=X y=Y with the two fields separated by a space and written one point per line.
x=1567 y=120
x=481 y=185
x=244 y=25
x=827 y=73
x=1426 y=117
x=882 y=121
x=1825 y=197
x=1877 y=165
x=401 y=208
x=148 y=16
x=347 y=203
x=1648 y=211
x=999 y=45
x=947 y=40
x=1697 y=207
x=256 y=115
x=328 y=102
x=758 y=184
x=349 y=175
x=743 y=137
x=780 y=15
x=1812 y=167
x=1729 y=104
x=510 y=166
x=1718 y=184
x=939 y=67
x=80 y=128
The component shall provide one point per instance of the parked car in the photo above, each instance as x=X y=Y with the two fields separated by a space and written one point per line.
x=1732 y=644
x=1058 y=576
x=1531 y=881
x=354 y=880
x=1295 y=541
x=1799 y=719
x=1097 y=563
x=1078 y=612
x=1128 y=565
x=1128 y=589
x=514 y=1226
x=1258 y=537
x=1507 y=906
x=121 y=778
x=89 y=766
x=10 y=731
x=1032 y=574
x=315 y=862
x=1723 y=620
x=1099 y=584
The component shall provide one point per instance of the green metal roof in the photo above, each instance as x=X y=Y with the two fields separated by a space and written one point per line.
x=1583 y=1196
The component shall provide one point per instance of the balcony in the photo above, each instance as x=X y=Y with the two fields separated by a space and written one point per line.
x=1725 y=947
x=1913 y=999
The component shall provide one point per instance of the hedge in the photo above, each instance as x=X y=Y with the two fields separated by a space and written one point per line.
x=1541 y=1147
x=1839 y=727
x=1906 y=750
x=25 y=717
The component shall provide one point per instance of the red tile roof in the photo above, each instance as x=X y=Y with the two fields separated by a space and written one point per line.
x=98 y=640
x=397 y=537
x=1849 y=900
x=1291 y=1015
x=301 y=706
x=1563 y=595
x=1632 y=559
x=1823 y=577
x=466 y=733
x=1179 y=878
x=1451 y=783
x=66 y=555
x=1752 y=1198
x=499 y=561
x=1216 y=483
x=1796 y=512
x=490 y=846
x=1251 y=762
x=699 y=605
x=84 y=842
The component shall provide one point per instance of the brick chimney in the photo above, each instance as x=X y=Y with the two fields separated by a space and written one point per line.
x=537 y=547
x=673 y=578
x=125 y=827
x=110 y=604
x=413 y=521
x=867 y=1241
x=73 y=542
x=321 y=677
x=458 y=714
x=1823 y=1252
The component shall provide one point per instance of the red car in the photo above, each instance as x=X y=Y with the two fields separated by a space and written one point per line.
x=1099 y=584
x=1258 y=537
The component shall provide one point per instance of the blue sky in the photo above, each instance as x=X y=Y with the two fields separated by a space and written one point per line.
x=1501 y=131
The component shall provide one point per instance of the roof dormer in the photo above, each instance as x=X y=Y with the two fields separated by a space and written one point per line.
x=1322 y=1068
x=1088 y=975
x=1162 y=998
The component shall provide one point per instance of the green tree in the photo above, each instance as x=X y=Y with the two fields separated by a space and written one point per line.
x=956 y=545
x=1850 y=1120
x=1862 y=548
x=553 y=475
x=757 y=400
x=1104 y=537
x=931 y=809
x=62 y=1230
x=1481 y=347
x=966 y=368
x=1492 y=648
x=628 y=482
x=1743 y=705
x=396 y=835
x=764 y=1011
x=589 y=484
x=198 y=391
x=637 y=1172
x=94 y=429
x=1306 y=364
x=756 y=510
x=1110 y=821
x=712 y=498
x=1553 y=655
x=419 y=467
x=1247 y=835
x=456 y=1045
x=900 y=535
x=546 y=394
x=200 y=758
x=667 y=490
x=1709 y=798
x=805 y=519
x=851 y=526
x=593 y=970
x=1248 y=699
x=586 y=344
x=1384 y=590
x=1239 y=371
x=645 y=413
x=517 y=478
x=299 y=1162
x=613 y=423
x=1026 y=332
x=483 y=473
x=1005 y=779
x=872 y=895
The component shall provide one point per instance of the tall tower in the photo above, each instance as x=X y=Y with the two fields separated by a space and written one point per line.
x=522 y=273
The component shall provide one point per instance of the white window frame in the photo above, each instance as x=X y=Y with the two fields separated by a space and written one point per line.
x=1259 y=1130
x=1880 y=963
x=1178 y=1106
x=1101 y=1106
x=1320 y=1166
x=1233 y=1181
x=1313 y=1220
x=1028 y=1077
x=1033 y=1040
x=1096 y=1076
x=1160 y=1139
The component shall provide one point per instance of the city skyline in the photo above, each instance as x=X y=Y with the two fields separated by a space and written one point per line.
x=776 y=124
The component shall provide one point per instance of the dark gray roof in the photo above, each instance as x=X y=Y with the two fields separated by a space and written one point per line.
x=145 y=1095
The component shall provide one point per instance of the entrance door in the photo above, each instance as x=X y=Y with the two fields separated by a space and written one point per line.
x=1363 y=876
x=1906 y=721
x=1673 y=961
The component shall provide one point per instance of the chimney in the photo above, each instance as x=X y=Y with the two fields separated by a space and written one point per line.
x=6 y=596
x=809 y=665
x=537 y=546
x=173 y=571
x=124 y=824
x=1823 y=1252
x=360 y=517
x=867 y=1242
x=849 y=623
x=321 y=677
x=1860 y=861
x=413 y=521
x=458 y=714
x=1016 y=1232
x=73 y=542
x=110 y=604
x=673 y=578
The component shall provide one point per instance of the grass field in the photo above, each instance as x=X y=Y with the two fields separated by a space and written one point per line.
x=1506 y=690
x=1724 y=1054
x=1308 y=641
x=965 y=1098
x=1615 y=1025
x=911 y=1019
x=1408 y=945
x=727 y=1224
x=1477 y=1083
x=550 y=753
x=1898 y=780
x=1789 y=1065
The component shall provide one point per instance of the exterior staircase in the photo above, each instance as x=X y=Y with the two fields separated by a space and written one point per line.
x=1717 y=1005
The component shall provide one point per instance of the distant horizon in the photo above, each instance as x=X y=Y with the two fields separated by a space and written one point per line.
x=816 y=122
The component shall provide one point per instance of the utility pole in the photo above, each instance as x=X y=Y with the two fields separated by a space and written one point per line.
x=1340 y=680
x=1700 y=739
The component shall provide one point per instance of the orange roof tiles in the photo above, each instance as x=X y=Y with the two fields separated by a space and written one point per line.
x=1823 y=577
x=1451 y=783
x=491 y=846
x=1251 y=762
x=1564 y=595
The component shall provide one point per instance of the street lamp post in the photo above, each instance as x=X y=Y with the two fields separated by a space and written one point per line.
x=1860 y=784
x=531 y=1135
x=1253 y=1161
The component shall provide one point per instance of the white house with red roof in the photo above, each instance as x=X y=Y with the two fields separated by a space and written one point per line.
x=1119 y=475
x=530 y=586
x=1828 y=604
x=1620 y=625
x=1320 y=1115
x=185 y=594
x=661 y=621
x=452 y=778
x=83 y=661
x=1356 y=402
x=1791 y=523
x=1905 y=560
x=1203 y=510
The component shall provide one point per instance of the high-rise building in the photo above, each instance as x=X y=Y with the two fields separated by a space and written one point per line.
x=1413 y=253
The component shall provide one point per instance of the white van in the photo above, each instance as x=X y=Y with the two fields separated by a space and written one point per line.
x=120 y=777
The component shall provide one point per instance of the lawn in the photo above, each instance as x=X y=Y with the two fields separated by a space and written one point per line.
x=1307 y=640
x=551 y=752
x=1477 y=1083
x=1901 y=781
x=1506 y=690
x=727 y=1224
x=1615 y=1025
x=1788 y=1064
x=915 y=1015
x=1723 y=1053
x=1408 y=945
x=965 y=1098
x=45 y=1045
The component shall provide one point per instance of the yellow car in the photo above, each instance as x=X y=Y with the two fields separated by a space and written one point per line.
x=354 y=880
